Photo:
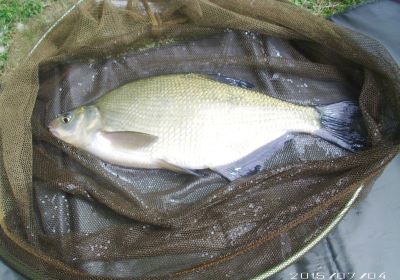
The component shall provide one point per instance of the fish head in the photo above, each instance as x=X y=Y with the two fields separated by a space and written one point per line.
x=78 y=126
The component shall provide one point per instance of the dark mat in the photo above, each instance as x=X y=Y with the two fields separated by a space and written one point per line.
x=379 y=19
x=366 y=244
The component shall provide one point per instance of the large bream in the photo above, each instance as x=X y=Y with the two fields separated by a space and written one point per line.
x=187 y=121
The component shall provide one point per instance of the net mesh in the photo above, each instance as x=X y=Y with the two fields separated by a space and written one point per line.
x=67 y=215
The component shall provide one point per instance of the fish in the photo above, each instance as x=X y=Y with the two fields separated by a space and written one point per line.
x=189 y=122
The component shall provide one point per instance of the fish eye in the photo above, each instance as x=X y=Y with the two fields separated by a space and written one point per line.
x=66 y=118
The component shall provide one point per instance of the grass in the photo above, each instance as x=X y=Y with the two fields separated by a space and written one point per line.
x=15 y=13
x=13 y=16
x=327 y=8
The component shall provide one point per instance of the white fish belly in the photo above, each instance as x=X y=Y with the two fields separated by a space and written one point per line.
x=114 y=154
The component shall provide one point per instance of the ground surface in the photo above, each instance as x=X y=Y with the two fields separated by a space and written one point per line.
x=13 y=16
x=15 y=13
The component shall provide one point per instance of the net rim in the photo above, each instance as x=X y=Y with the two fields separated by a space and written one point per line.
x=296 y=256
x=290 y=260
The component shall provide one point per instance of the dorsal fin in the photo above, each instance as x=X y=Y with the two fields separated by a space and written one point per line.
x=231 y=81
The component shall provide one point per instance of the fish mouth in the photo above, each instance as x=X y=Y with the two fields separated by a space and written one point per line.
x=53 y=131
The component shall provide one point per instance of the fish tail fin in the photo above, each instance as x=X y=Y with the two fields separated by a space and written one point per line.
x=342 y=124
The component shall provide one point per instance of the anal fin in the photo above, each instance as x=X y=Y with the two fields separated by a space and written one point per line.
x=253 y=162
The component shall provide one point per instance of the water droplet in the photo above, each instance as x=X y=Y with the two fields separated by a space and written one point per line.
x=275 y=76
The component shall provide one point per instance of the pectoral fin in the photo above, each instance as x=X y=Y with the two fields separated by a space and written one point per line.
x=129 y=139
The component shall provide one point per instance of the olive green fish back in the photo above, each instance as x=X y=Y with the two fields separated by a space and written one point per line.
x=66 y=215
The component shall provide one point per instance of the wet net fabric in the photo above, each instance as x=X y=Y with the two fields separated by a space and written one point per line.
x=67 y=215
